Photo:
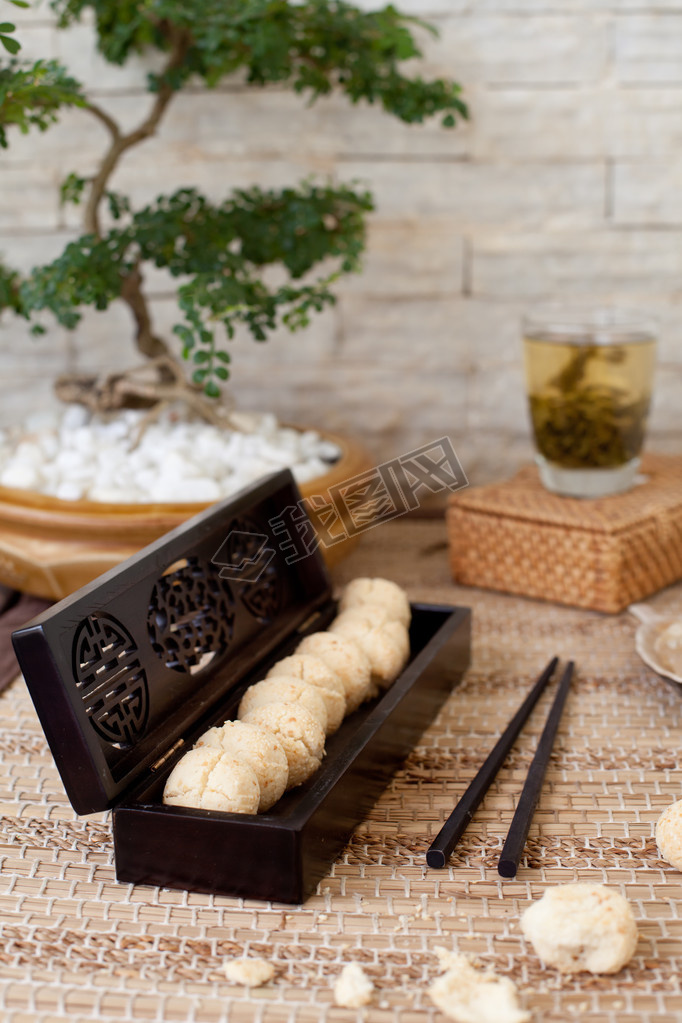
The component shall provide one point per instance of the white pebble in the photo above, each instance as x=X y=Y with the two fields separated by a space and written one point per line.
x=49 y=445
x=328 y=451
x=305 y=471
x=74 y=454
x=202 y=489
x=107 y=495
x=173 y=491
x=69 y=491
x=83 y=441
x=176 y=465
x=74 y=416
x=71 y=462
x=28 y=454
x=116 y=429
x=19 y=475
x=268 y=423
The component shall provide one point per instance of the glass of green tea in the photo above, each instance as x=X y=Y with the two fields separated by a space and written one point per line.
x=589 y=375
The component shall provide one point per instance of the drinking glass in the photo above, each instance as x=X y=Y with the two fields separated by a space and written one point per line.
x=589 y=375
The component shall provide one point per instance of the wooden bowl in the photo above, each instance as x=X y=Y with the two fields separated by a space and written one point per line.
x=51 y=547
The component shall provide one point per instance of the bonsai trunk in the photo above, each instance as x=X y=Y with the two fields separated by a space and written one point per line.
x=161 y=380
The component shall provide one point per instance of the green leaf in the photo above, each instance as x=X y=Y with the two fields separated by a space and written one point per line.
x=201 y=356
x=199 y=375
x=9 y=291
x=118 y=204
x=7 y=26
x=71 y=189
x=314 y=47
x=31 y=95
x=211 y=390
x=19 y=3
x=10 y=44
x=185 y=335
x=221 y=372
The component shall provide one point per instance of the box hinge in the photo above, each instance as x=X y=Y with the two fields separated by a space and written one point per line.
x=310 y=620
x=166 y=757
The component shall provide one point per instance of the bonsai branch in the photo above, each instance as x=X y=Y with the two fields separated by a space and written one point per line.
x=108 y=121
x=120 y=143
x=148 y=343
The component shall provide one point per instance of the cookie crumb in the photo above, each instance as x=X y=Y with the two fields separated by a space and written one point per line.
x=469 y=995
x=249 y=972
x=353 y=988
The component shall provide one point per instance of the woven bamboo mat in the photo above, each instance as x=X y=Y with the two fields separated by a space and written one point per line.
x=76 y=944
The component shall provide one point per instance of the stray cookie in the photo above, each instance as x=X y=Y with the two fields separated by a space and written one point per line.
x=316 y=673
x=281 y=689
x=386 y=644
x=387 y=594
x=468 y=995
x=209 y=779
x=577 y=927
x=669 y=834
x=299 y=733
x=668 y=648
x=346 y=659
x=256 y=747
x=249 y=972
x=353 y=988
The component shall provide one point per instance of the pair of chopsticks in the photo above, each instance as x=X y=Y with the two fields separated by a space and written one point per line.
x=458 y=821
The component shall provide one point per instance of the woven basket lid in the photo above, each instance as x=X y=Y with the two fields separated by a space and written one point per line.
x=657 y=493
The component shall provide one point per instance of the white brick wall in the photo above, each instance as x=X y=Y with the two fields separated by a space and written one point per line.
x=566 y=184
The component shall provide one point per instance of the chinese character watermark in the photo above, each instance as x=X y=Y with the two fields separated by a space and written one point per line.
x=243 y=556
x=354 y=506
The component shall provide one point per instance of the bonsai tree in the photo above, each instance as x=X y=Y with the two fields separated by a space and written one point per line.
x=220 y=251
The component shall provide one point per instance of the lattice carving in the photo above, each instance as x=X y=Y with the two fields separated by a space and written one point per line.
x=262 y=597
x=191 y=616
x=112 y=682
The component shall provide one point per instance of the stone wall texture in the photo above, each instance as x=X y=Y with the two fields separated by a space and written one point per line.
x=566 y=184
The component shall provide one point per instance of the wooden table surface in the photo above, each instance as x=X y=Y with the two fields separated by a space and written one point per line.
x=77 y=944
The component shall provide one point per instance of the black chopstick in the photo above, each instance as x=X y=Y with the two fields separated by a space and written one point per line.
x=519 y=827
x=458 y=821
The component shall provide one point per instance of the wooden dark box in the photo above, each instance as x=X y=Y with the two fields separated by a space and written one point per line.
x=126 y=674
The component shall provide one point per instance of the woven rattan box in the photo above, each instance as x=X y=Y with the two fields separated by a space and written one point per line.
x=601 y=554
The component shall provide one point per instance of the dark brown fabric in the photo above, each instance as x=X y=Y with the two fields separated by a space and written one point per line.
x=14 y=612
